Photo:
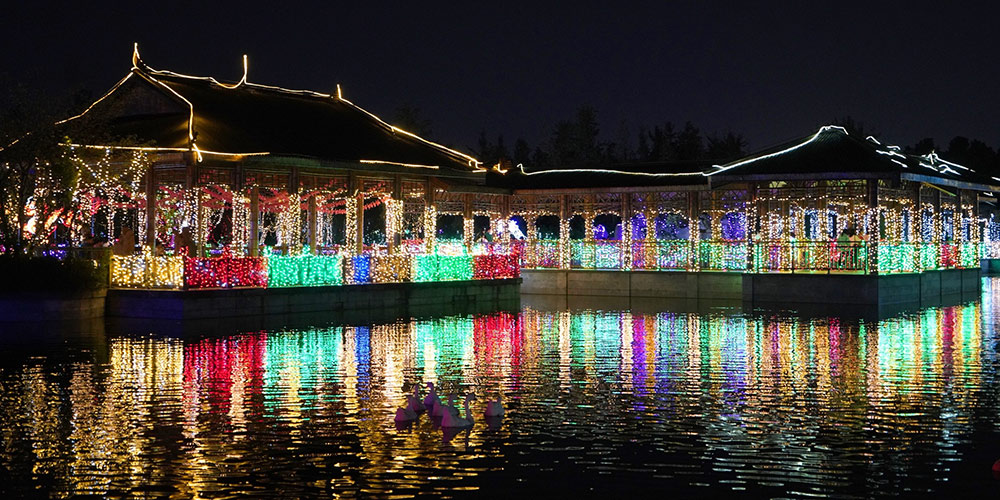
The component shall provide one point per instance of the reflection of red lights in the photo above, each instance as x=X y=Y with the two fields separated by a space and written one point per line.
x=833 y=327
x=496 y=335
x=947 y=328
x=213 y=366
x=643 y=328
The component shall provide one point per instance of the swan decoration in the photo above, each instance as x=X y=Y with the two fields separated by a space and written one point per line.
x=494 y=408
x=431 y=399
x=405 y=413
x=452 y=421
x=413 y=402
x=515 y=230
x=441 y=409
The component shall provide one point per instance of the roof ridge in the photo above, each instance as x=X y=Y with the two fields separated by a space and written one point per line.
x=140 y=66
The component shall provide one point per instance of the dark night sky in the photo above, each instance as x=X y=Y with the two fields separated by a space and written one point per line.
x=769 y=72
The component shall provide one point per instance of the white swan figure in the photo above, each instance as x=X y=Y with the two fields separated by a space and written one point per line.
x=404 y=413
x=431 y=399
x=450 y=421
x=441 y=409
x=414 y=401
x=494 y=408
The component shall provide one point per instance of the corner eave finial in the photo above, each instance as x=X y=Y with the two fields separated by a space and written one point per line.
x=136 y=60
x=245 y=69
x=340 y=94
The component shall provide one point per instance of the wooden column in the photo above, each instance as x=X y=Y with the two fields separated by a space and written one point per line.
x=295 y=208
x=468 y=222
x=150 y=221
x=313 y=224
x=588 y=220
x=626 y=241
x=822 y=214
x=392 y=236
x=694 y=231
x=974 y=223
x=751 y=212
x=873 y=225
x=564 y=257
x=254 y=240
x=359 y=217
x=936 y=220
x=505 y=215
x=191 y=193
x=430 y=218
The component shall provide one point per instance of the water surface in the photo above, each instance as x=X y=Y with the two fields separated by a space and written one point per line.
x=599 y=403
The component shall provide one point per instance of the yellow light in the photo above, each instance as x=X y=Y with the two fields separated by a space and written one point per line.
x=412 y=165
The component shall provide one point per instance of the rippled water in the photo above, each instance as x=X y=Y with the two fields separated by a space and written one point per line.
x=599 y=403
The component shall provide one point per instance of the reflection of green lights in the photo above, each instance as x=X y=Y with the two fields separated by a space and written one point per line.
x=970 y=318
x=578 y=329
x=607 y=344
x=309 y=355
x=449 y=340
x=672 y=358
x=930 y=340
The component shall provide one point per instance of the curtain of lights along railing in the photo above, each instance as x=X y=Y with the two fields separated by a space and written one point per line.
x=392 y=230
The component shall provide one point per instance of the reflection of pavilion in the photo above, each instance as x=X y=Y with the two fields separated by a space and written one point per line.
x=727 y=381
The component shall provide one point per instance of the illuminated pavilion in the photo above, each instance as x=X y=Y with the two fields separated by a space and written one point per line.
x=242 y=171
x=826 y=202
x=241 y=184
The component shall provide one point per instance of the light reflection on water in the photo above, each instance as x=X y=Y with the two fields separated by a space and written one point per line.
x=598 y=401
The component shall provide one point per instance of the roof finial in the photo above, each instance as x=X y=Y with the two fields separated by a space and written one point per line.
x=340 y=94
x=245 y=66
x=136 y=60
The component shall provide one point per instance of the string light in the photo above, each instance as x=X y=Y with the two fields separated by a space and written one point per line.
x=391 y=268
x=495 y=266
x=147 y=271
x=304 y=270
x=225 y=272
x=393 y=220
x=430 y=229
x=360 y=269
x=782 y=227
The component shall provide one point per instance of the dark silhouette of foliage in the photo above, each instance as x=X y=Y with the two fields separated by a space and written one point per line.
x=409 y=118
x=922 y=147
x=689 y=144
x=576 y=142
x=725 y=148
x=854 y=127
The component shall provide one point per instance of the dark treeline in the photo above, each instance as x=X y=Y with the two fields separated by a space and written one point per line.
x=578 y=142
x=972 y=153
